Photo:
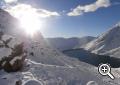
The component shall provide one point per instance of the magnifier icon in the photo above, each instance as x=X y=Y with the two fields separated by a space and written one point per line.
x=105 y=70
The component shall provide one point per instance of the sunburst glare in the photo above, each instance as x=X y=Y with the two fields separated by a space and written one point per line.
x=30 y=20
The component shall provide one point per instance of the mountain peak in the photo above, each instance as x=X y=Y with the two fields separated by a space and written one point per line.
x=106 y=42
x=118 y=24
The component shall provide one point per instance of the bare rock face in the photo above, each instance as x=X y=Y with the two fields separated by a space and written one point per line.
x=12 y=53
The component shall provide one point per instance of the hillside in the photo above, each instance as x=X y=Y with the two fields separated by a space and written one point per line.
x=107 y=43
x=69 y=43
x=43 y=65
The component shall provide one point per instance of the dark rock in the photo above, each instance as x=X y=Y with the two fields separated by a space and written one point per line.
x=15 y=61
x=7 y=67
x=19 y=82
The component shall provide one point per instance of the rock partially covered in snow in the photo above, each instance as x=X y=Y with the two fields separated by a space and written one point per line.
x=12 y=53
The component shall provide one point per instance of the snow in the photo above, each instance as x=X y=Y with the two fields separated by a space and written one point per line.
x=42 y=74
x=68 y=43
x=46 y=66
x=14 y=42
x=92 y=83
x=1 y=42
x=9 y=78
x=101 y=47
x=3 y=63
x=43 y=53
x=5 y=52
x=33 y=82
x=6 y=37
x=106 y=42
x=14 y=59
x=56 y=75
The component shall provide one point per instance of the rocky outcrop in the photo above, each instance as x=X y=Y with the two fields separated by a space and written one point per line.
x=12 y=53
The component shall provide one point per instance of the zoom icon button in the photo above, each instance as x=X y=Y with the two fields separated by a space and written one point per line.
x=105 y=70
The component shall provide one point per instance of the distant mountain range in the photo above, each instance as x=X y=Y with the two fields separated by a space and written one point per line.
x=69 y=43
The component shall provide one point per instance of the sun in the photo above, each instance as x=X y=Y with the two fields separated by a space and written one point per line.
x=30 y=20
x=30 y=24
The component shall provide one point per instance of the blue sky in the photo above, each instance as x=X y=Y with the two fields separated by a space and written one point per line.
x=90 y=21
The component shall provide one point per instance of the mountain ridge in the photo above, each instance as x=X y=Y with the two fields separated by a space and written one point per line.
x=105 y=42
x=68 y=43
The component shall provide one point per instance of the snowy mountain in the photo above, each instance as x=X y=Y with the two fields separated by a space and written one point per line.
x=43 y=65
x=69 y=43
x=107 y=43
x=36 y=47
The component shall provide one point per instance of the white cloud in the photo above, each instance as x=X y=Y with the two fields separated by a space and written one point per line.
x=25 y=9
x=10 y=1
x=79 y=10
x=46 y=13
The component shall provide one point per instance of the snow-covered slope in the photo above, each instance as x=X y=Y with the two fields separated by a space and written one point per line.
x=36 y=47
x=40 y=51
x=69 y=43
x=43 y=74
x=107 y=42
x=45 y=65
